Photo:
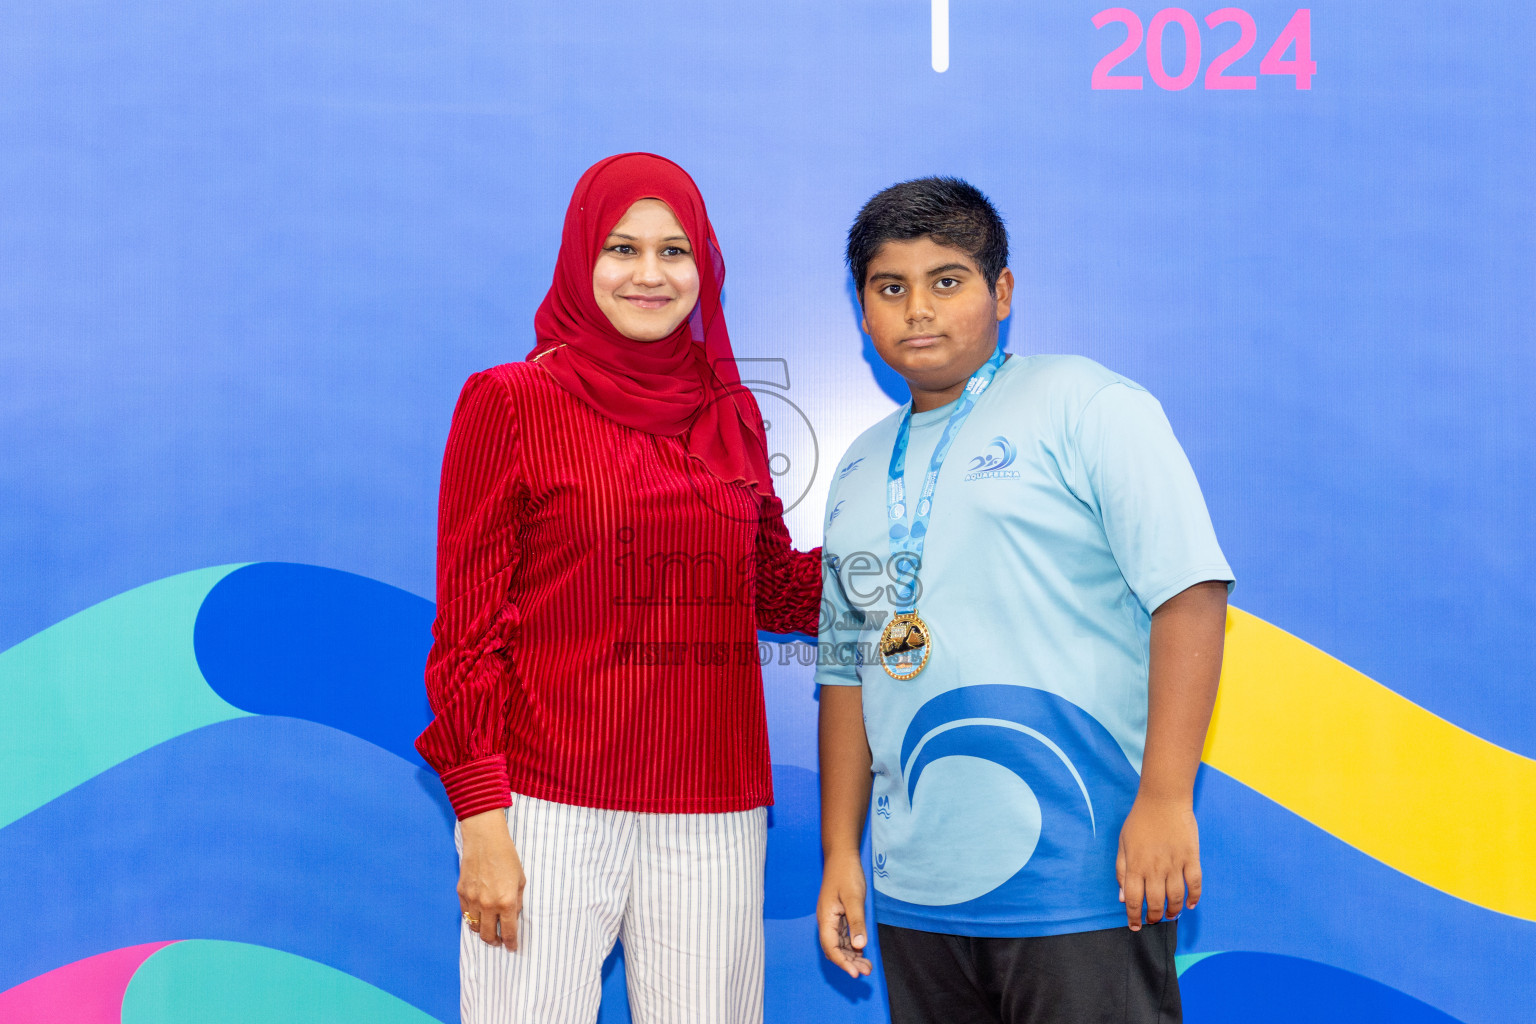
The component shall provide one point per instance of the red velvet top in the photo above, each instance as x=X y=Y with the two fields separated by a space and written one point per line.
x=599 y=594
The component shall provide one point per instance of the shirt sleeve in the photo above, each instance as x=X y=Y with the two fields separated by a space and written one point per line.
x=837 y=654
x=837 y=641
x=788 y=581
x=469 y=670
x=1144 y=490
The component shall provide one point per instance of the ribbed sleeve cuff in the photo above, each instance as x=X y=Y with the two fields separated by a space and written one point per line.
x=479 y=785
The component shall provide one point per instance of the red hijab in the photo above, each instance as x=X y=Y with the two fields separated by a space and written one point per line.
x=685 y=385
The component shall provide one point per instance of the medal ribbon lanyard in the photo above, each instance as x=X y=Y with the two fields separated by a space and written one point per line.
x=908 y=541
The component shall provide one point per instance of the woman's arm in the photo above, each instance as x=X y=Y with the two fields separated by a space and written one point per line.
x=788 y=584
x=468 y=671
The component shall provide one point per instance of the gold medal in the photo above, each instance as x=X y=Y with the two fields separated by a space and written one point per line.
x=904 y=646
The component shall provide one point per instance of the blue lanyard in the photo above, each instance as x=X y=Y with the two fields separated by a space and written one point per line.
x=906 y=540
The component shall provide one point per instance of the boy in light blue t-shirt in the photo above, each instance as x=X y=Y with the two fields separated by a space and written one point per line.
x=1025 y=604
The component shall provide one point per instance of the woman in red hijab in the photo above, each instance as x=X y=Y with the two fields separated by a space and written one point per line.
x=609 y=543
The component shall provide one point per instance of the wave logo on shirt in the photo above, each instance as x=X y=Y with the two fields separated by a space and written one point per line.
x=883 y=807
x=880 y=869
x=837 y=510
x=1076 y=771
x=993 y=462
x=849 y=468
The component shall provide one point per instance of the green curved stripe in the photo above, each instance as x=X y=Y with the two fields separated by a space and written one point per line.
x=105 y=684
x=1184 y=961
x=203 y=980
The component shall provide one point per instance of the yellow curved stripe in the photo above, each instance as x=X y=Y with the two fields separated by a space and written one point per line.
x=1374 y=769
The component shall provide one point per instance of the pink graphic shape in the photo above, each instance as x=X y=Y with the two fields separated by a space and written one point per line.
x=88 y=991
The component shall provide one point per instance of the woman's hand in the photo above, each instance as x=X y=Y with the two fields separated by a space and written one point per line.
x=490 y=878
x=840 y=914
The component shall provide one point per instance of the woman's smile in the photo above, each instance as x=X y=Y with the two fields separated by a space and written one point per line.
x=648 y=301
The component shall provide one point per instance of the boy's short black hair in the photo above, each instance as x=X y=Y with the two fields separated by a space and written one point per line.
x=951 y=211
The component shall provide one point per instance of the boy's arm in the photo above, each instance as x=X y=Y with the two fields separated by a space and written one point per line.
x=845 y=785
x=1160 y=844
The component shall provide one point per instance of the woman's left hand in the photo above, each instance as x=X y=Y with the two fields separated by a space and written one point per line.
x=491 y=879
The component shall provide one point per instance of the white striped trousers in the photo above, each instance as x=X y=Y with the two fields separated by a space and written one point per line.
x=683 y=892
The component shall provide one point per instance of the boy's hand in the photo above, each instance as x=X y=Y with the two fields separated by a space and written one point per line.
x=1159 y=859
x=840 y=914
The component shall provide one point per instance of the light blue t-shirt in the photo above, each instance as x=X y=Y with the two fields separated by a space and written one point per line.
x=1065 y=513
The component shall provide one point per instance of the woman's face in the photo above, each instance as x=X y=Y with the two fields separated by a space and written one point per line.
x=645 y=280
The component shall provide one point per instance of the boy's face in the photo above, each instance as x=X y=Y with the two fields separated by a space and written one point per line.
x=930 y=314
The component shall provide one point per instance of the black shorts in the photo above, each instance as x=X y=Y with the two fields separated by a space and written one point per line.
x=1114 y=976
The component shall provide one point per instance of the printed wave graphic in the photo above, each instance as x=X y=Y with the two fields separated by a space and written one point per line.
x=1077 y=772
x=215 y=726
x=101 y=686
x=200 y=980
x=330 y=665
x=1261 y=988
x=272 y=831
x=88 y=991
x=1387 y=777
x=248 y=984
x=1275 y=883
x=346 y=651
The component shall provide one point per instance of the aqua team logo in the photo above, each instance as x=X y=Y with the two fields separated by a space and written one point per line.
x=993 y=462
x=883 y=807
x=880 y=870
x=849 y=468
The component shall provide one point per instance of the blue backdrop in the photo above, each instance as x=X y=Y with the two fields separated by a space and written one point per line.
x=251 y=250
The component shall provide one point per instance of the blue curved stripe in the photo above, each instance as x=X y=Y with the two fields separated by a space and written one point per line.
x=1261 y=988
x=271 y=831
x=1275 y=883
x=277 y=638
